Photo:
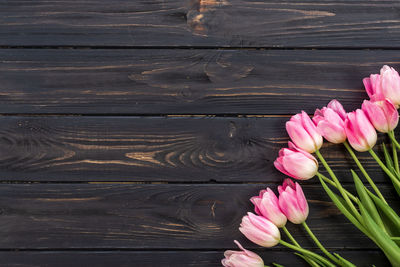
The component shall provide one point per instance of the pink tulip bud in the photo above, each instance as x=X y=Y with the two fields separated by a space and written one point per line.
x=303 y=132
x=360 y=132
x=292 y=201
x=244 y=258
x=373 y=87
x=338 y=108
x=382 y=114
x=385 y=85
x=330 y=122
x=390 y=83
x=296 y=163
x=260 y=230
x=266 y=204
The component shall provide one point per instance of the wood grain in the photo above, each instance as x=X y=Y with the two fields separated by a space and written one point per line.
x=167 y=149
x=146 y=216
x=200 y=23
x=165 y=81
x=165 y=258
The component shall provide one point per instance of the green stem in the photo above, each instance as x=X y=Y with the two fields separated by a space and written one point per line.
x=395 y=158
x=360 y=166
x=384 y=168
x=339 y=186
x=329 y=181
x=393 y=138
x=307 y=252
x=316 y=241
x=289 y=235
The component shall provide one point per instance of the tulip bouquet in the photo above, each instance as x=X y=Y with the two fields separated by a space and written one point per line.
x=366 y=208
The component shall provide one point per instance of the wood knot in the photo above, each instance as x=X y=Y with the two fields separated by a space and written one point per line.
x=202 y=16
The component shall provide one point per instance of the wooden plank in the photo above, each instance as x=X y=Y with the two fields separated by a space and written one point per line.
x=164 y=258
x=201 y=23
x=153 y=216
x=153 y=81
x=169 y=149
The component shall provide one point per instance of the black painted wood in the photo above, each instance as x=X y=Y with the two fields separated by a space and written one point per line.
x=150 y=149
x=164 y=258
x=165 y=81
x=236 y=23
x=153 y=216
x=145 y=190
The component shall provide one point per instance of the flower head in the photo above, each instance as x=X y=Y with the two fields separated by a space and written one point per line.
x=243 y=258
x=266 y=204
x=296 y=163
x=330 y=122
x=360 y=132
x=292 y=201
x=260 y=230
x=303 y=132
x=382 y=114
x=385 y=85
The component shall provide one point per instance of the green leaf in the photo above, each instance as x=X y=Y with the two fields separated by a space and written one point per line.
x=396 y=187
x=388 y=215
x=277 y=265
x=388 y=246
x=366 y=200
x=388 y=158
x=339 y=202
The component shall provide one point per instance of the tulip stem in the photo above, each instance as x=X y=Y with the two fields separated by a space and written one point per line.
x=289 y=235
x=339 y=186
x=384 y=168
x=360 y=166
x=316 y=241
x=393 y=138
x=394 y=148
x=307 y=252
x=329 y=181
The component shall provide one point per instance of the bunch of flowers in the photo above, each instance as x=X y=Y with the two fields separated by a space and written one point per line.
x=365 y=209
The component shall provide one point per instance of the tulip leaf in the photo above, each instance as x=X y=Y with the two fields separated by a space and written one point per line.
x=388 y=159
x=389 y=164
x=389 y=247
x=366 y=200
x=343 y=207
x=277 y=265
x=388 y=215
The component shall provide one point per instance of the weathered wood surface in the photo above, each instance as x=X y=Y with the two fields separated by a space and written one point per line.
x=200 y=23
x=136 y=183
x=150 y=149
x=153 y=216
x=172 y=81
x=164 y=258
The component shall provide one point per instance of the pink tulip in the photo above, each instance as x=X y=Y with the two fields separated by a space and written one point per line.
x=296 y=163
x=260 y=230
x=390 y=82
x=373 y=87
x=303 y=132
x=360 y=132
x=266 y=204
x=330 y=122
x=244 y=258
x=385 y=85
x=292 y=201
x=382 y=114
x=338 y=108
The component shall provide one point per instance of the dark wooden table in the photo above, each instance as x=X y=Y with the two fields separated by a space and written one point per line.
x=132 y=133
